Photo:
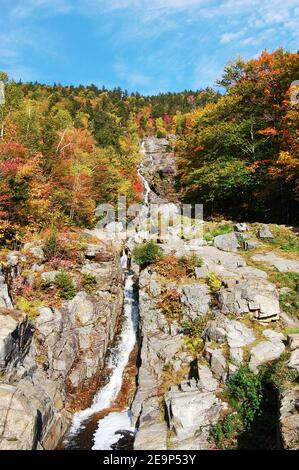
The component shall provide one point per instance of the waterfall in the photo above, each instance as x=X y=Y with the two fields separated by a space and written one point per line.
x=118 y=359
x=108 y=428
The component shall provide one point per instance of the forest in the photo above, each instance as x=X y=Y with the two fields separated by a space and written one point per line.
x=64 y=149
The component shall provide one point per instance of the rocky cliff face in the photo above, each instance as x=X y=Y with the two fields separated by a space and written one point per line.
x=236 y=312
x=51 y=364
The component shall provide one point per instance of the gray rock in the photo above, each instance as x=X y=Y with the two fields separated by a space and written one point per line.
x=12 y=259
x=289 y=418
x=249 y=271
x=18 y=420
x=189 y=412
x=265 y=232
x=206 y=380
x=227 y=242
x=217 y=362
x=49 y=276
x=252 y=295
x=82 y=309
x=196 y=299
x=152 y=431
x=234 y=332
x=251 y=245
x=241 y=227
x=273 y=336
x=236 y=355
x=294 y=360
x=5 y=300
x=263 y=352
x=282 y=265
x=293 y=341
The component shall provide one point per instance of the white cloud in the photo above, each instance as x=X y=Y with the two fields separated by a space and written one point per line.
x=229 y=37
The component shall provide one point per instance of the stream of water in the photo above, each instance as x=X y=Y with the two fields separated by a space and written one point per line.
x=116 y=424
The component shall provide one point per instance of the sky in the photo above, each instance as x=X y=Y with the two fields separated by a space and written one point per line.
x=149 y=46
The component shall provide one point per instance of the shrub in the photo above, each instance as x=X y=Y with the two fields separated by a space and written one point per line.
x=89 y=283
x=29 y=307
x=170 y=304
x=246 y=394
x=213 y=282
x=226 y=430
x=190 y=263
x=50 y=247
x=175 y=268
x=66 y=286
x=147 y=253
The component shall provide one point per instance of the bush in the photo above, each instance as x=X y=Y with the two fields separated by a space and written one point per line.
x=190 y=263
x=226 y=430
x=147 y=253
x=213 y=282
x=246 y=393
x=89 y=283
x=29 y=307
x=170 y=304
x=66 y=286
x=50 y=247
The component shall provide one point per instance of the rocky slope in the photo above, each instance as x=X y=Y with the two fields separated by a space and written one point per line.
x=51 y=364
x=183 y=377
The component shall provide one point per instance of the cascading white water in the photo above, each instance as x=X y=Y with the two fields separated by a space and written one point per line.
x=108 y=429
x=118 y=359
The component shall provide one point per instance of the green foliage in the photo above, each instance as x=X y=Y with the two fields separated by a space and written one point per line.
x=225 y=431
x=190 y=263
x=246 y=394
x=214 y=282
x=66 y=286
x=147 y=253
x=89 y=282
x=290 y=300
x=29 y=307
x=218 y=230
x=284 y=239
x=171 y=305
x=51 y=244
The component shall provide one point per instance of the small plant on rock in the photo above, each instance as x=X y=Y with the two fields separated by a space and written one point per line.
x=66 y=286
x=170 y=304
x=147 y=253
x=89 y=283
x=214 y=282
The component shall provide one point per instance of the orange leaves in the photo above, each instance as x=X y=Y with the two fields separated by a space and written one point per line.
x=268 y=131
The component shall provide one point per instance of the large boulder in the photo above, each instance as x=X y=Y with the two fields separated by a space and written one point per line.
x=227 y=242
x=294 y=360
x=206 y=380
x=152 y=430
x=263 y=352
x=196 y=299
x=256 y=296
x=18 y=420
x=221 y=329
x=191 y=411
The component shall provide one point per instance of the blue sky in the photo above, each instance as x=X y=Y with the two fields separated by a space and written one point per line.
x=146 y=45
